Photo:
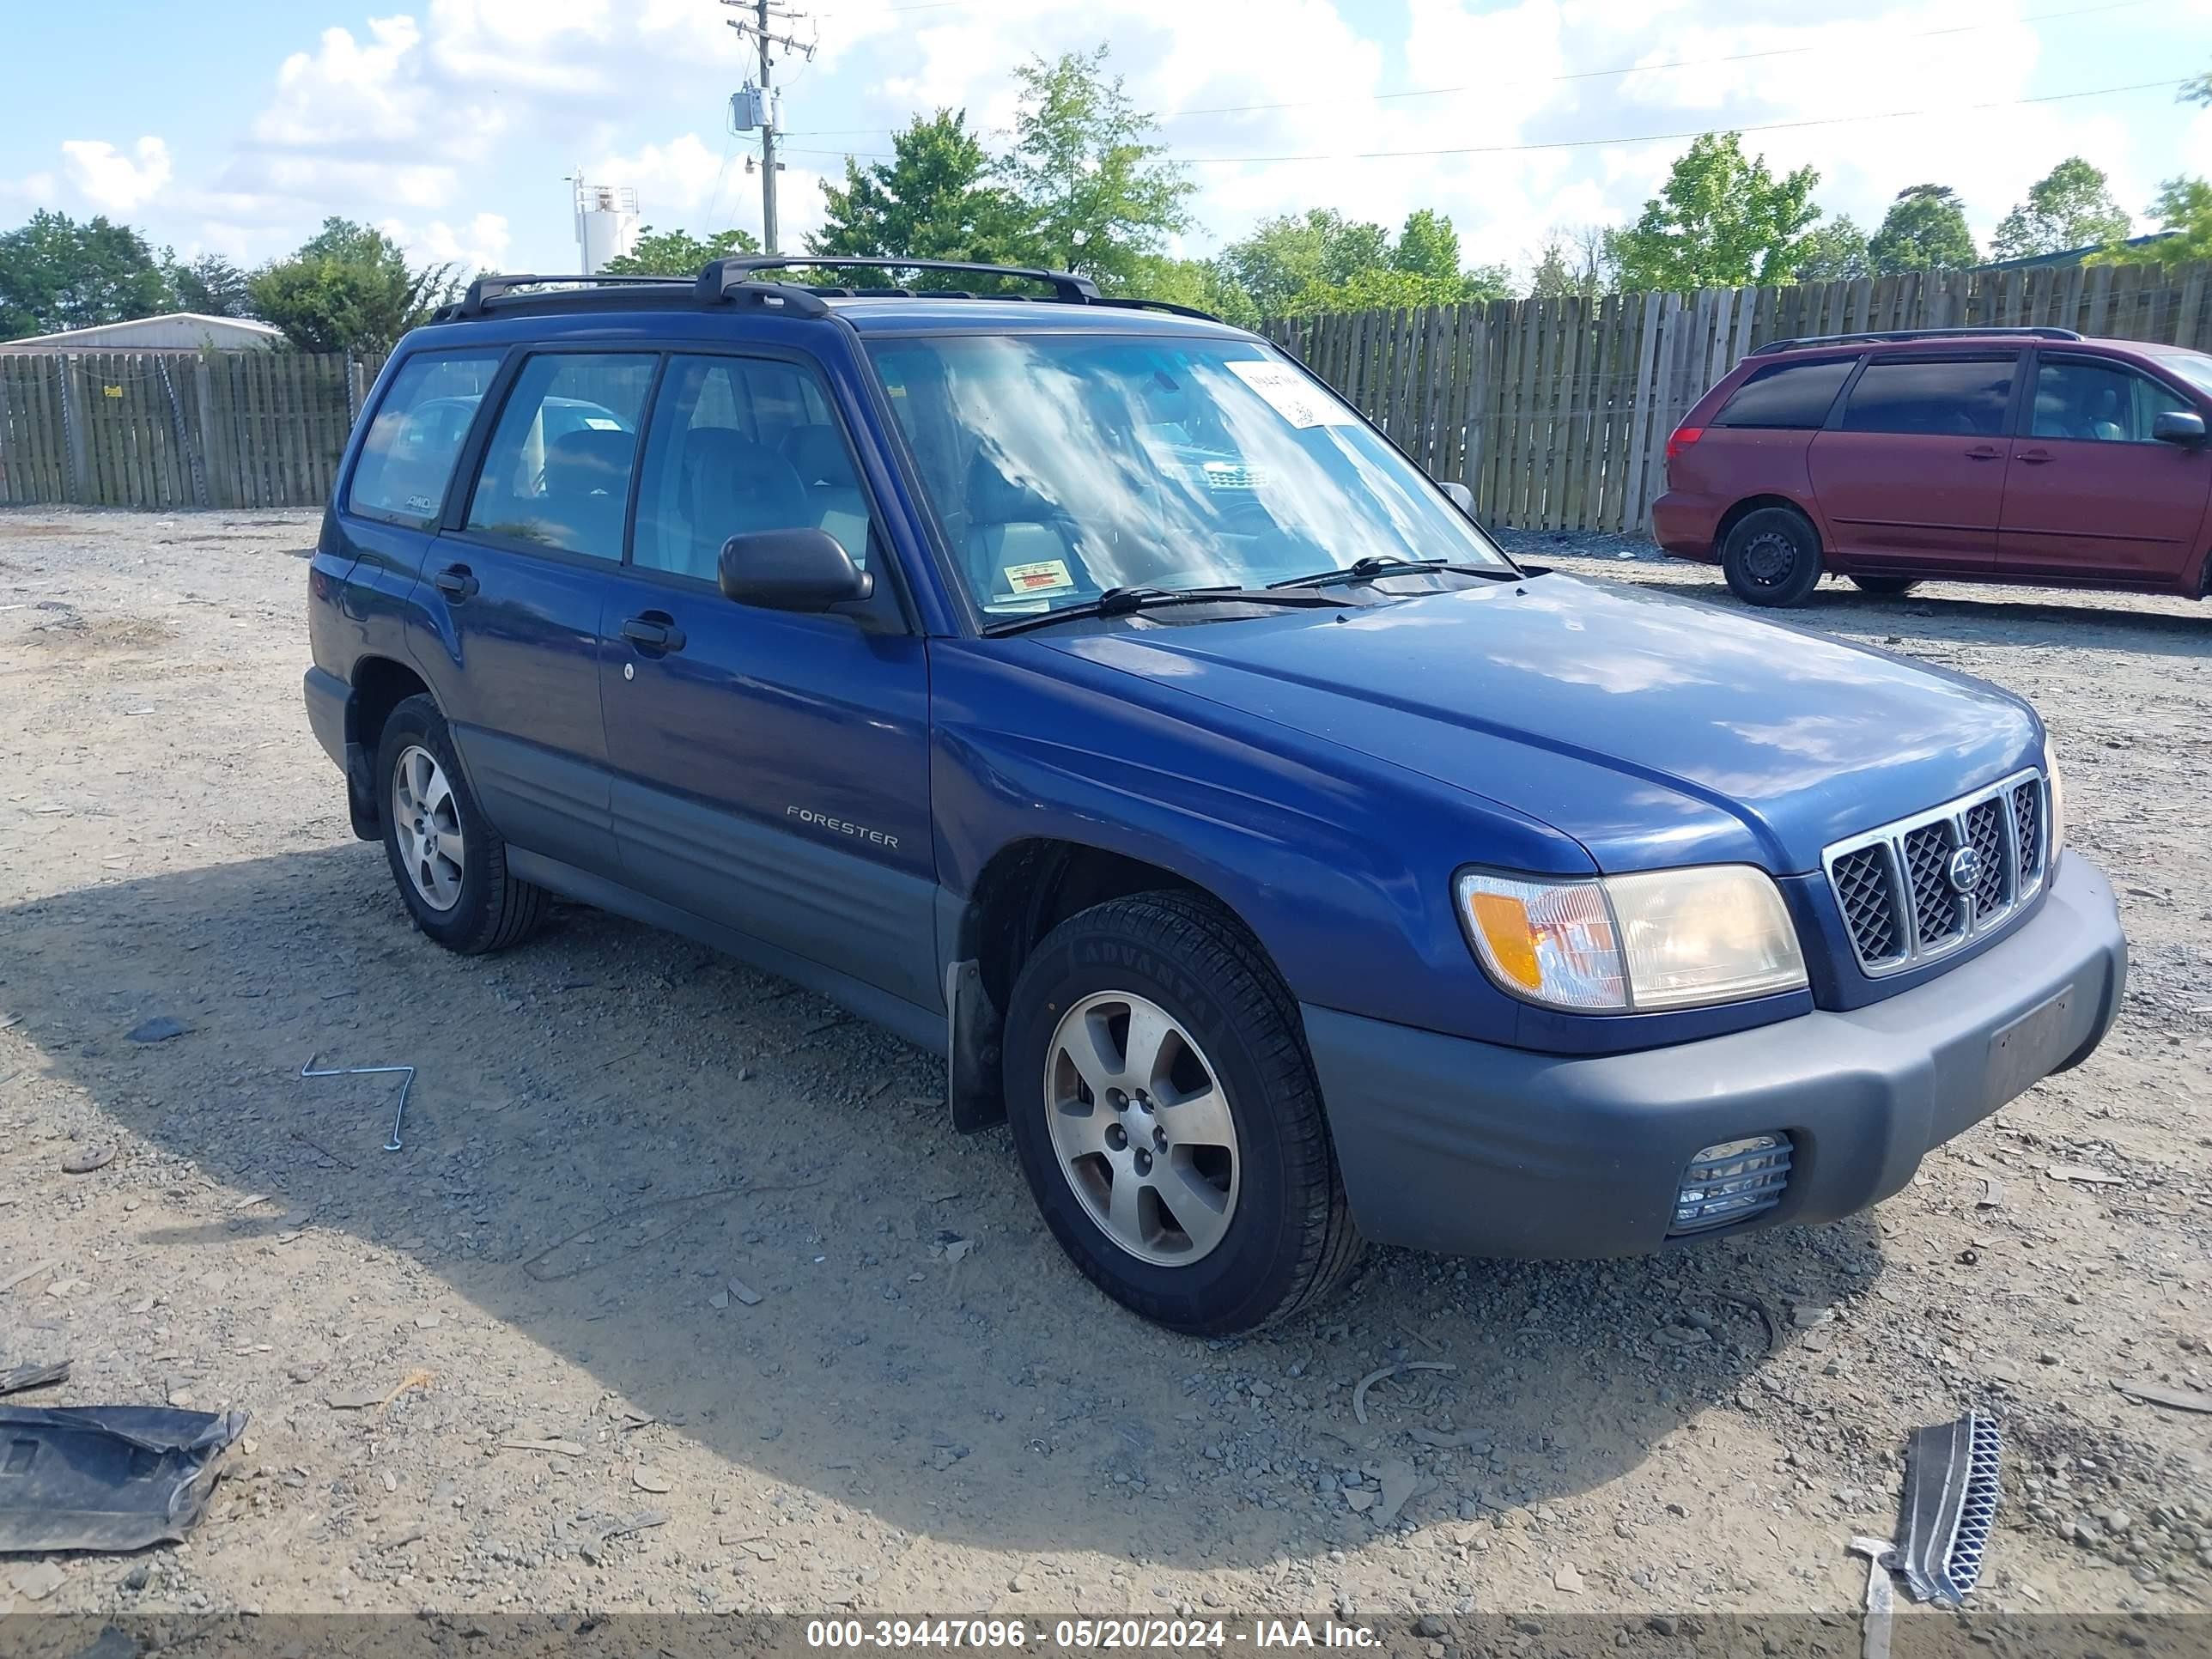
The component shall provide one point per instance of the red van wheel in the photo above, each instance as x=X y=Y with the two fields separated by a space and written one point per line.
x=1772 y=557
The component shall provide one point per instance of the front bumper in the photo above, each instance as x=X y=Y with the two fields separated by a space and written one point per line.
x=1450 y=1145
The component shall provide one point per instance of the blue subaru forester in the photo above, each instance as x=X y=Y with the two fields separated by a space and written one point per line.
x=1079 y=689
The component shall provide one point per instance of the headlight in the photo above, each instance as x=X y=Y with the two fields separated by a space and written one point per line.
x=1667 y=938
x=2057 y=807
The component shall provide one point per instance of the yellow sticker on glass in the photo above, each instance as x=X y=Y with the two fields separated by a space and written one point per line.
x=1045 y=576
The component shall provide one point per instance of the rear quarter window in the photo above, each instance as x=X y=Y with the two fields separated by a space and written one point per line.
x=416 y=436
x=1787 y=395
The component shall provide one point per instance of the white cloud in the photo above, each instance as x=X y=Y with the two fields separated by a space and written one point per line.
x=670 y=179
x=481 y=244
x=37 y=188
x=348 y=91
x=110 y=178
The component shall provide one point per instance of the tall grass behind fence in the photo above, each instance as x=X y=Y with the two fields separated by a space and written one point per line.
x=166 y=429
x=1556 y=412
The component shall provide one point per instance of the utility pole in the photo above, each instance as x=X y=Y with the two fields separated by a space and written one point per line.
x=758 y=26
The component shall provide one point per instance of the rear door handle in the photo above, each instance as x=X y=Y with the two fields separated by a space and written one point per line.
x=655 y=633
x=1985 y=452
x=2037 y=457
x=456 y=582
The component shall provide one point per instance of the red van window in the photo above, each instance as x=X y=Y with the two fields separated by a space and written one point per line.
x=1786 y=395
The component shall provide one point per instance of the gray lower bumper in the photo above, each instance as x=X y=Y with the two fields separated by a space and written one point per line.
x=1450 y=1145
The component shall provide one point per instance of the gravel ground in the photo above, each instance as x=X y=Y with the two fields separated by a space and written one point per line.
x=675 y=1246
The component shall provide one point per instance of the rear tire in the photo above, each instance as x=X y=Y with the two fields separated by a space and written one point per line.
x=1246 y=1221
x=467 y=901
x=1887 y=587
x=1772 y=557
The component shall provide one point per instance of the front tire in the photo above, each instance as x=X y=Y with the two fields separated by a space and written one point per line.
x=1772 y=557
x=449 y=863
x=1166 y=1116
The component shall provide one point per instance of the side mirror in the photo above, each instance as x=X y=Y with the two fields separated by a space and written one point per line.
x=790 y=570
x=2178 y=426
x=1461 y=497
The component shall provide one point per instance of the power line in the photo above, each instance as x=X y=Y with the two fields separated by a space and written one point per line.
x=1592 y=144
x=1657 y=137
x=1574 y=74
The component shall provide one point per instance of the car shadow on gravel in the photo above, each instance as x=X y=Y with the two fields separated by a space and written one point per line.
x=1952 y=614
x=610 y=1125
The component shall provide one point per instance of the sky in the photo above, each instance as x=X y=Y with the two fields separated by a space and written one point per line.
x=453 y=124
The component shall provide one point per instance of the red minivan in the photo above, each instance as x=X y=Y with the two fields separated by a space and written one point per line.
x=1997 y=454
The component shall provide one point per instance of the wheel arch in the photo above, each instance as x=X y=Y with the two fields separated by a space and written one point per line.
x=1751 y=504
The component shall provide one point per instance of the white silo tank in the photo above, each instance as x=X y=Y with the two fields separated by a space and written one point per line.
x=606 y=223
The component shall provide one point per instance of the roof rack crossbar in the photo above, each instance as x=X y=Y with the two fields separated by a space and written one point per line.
x=1881 y=335
x=725 y=274
x=485 y=289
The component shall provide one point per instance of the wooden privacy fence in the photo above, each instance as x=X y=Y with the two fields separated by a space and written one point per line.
x=1555 y=412
x=168 y=430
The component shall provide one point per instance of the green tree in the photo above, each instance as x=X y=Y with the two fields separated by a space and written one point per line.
x=1925 y=229
x=1428 y=246
x=678 y=253
x=2070 y=206
x=2183 y=212
x=1203 y=284
x=211 y=286
x=57 y=274
x=1719 y=221
x=1097 y=191
x=1283 y=256
x=348 y=288
x=934 y=200
x=1833 y=252
x=1387 y=289
x=1571 y=262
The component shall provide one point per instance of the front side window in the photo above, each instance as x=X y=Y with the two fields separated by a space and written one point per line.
x=1936 y=398
x=1060 y=465
x=2091 y=400
x=740 y=445
x=556 y=471
x=407 y=458
x=1788 y=395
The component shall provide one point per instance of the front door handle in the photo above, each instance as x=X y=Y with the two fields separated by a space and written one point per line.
x=2037 y=457
x=654 y=632
x=1984 y=452
x=456 y=582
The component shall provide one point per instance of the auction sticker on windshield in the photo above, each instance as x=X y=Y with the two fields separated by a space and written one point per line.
x=1044 y=576
x=1290 y=394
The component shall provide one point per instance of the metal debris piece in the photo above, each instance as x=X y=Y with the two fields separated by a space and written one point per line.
x=1950 y=1504
x=397 y=1112
x=32 y=1377
x=1880 y=1594
x=107 y=1477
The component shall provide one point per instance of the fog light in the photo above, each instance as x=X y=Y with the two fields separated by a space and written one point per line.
x=1731 y=1182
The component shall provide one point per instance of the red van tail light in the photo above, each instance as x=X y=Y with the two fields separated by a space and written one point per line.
x=1681 y=439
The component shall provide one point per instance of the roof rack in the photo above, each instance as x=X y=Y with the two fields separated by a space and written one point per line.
x=737 y=278
x=1883 y=336
x=724 y=274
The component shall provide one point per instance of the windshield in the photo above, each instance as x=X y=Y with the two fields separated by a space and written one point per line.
x=1061 y=465
x=2193 y=366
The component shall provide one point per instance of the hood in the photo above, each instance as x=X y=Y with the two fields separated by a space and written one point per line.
x=1654 y=729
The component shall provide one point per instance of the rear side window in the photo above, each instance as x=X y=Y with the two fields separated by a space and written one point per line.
x=1962 y=398
x=738 y=445
x=558 y=468
x=2091 y=400
x=1787 y=395
x=407 y=458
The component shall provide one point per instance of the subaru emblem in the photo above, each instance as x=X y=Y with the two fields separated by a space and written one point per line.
x=1965 y=870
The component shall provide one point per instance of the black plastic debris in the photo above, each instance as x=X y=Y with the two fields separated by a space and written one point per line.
x=106 y=1477
x=1950 y=1504
x=17 y=1379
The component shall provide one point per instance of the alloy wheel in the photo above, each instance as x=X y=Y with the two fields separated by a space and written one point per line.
x=1141 y=1126
x=426 y=820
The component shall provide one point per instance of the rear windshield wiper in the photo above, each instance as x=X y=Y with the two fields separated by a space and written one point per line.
x=1367 y=569
x=1126 y=601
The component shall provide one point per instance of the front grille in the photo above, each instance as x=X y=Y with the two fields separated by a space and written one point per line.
x=1731 y=1182
x=1907 y=895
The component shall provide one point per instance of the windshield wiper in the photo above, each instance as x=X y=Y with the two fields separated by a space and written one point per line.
x=1126 y=601
x=1367 y=569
